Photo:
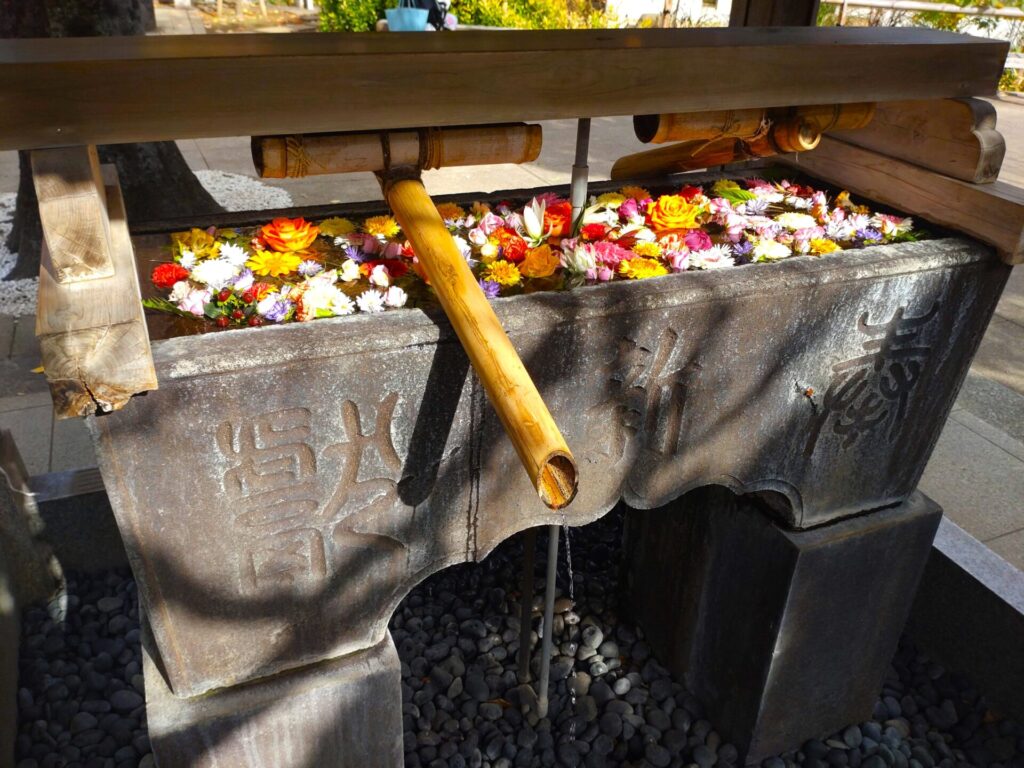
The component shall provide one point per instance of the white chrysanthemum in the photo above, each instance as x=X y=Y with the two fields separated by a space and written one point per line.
x=839 y=230
x=188 y=259
x=349 y=271
x=234 y=254
x=319 y=298
x=267 y=303
x=179 y=291
x=715 y=257
x=395 y=297
x=370 y=301
x=800 y=203
x=215 y=273
x=379 y=276
x=770 y=250
x=464 y=248
x=342 y=305
x=795 y=221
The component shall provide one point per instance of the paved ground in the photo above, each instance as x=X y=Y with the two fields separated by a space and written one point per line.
x=976 y=472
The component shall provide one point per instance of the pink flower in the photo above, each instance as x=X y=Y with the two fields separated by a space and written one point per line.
x=629 y=209
x=678 y=260
x=370 y=245
x=604 y=274
x=610 y=254
x=195 y=301
x=489 y=223
x=698 y=240
x=392 y=251
x=549 y=198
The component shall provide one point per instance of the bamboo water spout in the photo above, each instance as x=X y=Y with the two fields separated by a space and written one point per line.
x=397 y=158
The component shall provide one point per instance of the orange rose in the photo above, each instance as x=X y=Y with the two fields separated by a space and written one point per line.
x=558 y=219
x=539 y=262
x=673 y=212
x=289 y=235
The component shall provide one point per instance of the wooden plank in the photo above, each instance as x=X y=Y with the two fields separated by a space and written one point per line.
x=73 y=210
x=956 y=137
x=992 y=213
x=92 y=334
x=773 y=13
x=59 y=92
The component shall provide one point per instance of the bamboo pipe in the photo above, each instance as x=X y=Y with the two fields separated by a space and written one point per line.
x=522 y=411
x=747 y=123
x=791 y=135
x=279 y=157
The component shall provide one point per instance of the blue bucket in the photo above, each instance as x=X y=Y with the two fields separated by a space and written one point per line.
x=406 y=19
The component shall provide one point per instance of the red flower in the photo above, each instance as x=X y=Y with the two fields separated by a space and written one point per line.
x=166 y=275
x=593 y=231
x=558 y=219
x=689 y=192
x=396 y=267
x=513 y=247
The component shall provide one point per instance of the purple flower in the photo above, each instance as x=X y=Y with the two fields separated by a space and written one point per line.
x=742 y=248
x=490 y=288
x=869 y=234
x=308 y=268
x=353 y=252
x=277 y=312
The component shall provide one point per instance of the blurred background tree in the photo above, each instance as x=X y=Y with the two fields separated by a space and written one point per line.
x=362 y=15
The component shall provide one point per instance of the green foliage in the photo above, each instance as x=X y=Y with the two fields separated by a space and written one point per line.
x=350 y=15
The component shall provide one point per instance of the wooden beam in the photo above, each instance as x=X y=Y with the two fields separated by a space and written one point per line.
x=956 y=137
x=73 y=210
x=992 y=213
x=92 y=333
x=68 y=91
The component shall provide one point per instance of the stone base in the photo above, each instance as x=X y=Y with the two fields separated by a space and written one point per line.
x=784 y=635
x=341 y=713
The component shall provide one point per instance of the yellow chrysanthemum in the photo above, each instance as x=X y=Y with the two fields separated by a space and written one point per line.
x=503 y=273
x=450 y=211
x=821 y=246
x=198 y=241
x=274 y=263
x=640 y=268
x=381 y=226
x=643 y=248
x=637 y=193
x=335 y=226
x=610 y=200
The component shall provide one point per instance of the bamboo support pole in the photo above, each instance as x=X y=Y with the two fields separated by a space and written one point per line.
x=522 y=411
x=279 y=157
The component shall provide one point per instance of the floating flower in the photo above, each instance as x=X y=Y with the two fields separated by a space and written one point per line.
x=679 y=261
x=370 y=301
x=503 y=273
x=635 y=193
x=795 y=221
x=336 y=226
x=579 y=258
x=199 y=242
x=540 y=262
x=647 y=248
x=641 y=268
x=215 y=273
x=395 y=297
x=342 y=305
x=511 y=245
x=673 y=212
x=308 y=268
x=379 y=276
x=770 y=250
x=289 y=235
x=697 y=240
x=610 y=200
x=243 y=280
x=715 y=257
x=451 y=211
x=823 y=246
x=490 y=288
x=166 y=275
x=179 y=291
x=349 y=271
x=274 y=263
x=610 y=254
x=234 y=254
x=593 y=231
x=187 y=259
x=558 y=219
x=381 y=226
x=195 y=301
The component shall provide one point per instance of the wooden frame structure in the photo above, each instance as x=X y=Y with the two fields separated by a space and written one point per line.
x=58 y=101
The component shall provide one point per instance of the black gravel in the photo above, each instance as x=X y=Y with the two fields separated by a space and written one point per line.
x=611 y=704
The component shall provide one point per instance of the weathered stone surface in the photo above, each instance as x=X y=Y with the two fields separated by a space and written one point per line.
x=289 y=485
x=342 y=713
x=783 y=635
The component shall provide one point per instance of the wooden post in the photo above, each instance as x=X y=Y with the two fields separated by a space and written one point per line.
x=522 y=410
x=90 y=322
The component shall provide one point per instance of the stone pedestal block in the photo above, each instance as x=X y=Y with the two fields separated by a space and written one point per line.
x=341 y=713
x=784 y=635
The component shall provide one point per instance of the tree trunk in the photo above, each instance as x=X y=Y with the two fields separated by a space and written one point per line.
x=155 y=178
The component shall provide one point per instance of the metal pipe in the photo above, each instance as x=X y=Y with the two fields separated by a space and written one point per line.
x=580 y=172
x=526 y=603
x=549 y=620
